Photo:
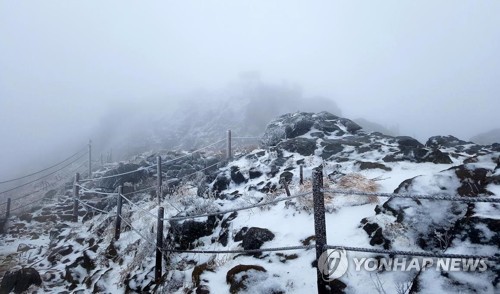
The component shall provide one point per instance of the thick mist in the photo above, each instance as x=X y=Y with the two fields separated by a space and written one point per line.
x=132 y=75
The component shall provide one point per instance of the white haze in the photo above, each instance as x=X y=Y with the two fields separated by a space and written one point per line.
x=428 y=67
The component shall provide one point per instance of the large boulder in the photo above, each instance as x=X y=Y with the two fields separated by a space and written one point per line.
x=186 y=234
x=20 y=281
x=254 y=237
x=293 y=125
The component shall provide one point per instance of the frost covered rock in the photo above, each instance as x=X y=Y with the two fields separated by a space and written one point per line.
x=444 y=141
x=253 y=238
x=185 y=234
x=302 y=146
x=20 y=281
x=293 y=125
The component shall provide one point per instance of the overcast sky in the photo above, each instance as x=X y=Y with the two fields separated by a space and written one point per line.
x=432 y=67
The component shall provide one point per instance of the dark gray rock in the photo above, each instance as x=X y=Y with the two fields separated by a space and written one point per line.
x=220 y=184
x=185 y=234
x=19 y=281
x=375 y=233
x=372 y=165
x=444 y=141
x=331 y=148
x=407 y=141
x=287 y=176
x=303 y=146
x=254 y=173
x=473 y=181
x=255 y=237
x=418 y=155
x=236 y=176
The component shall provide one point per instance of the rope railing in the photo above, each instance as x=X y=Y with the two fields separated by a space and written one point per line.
x=42 y=170
x=445 y=197
x=45 y=176
x=414 y=253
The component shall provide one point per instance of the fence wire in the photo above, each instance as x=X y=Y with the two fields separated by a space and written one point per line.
x=414 y=253
x=43 y=177
x=179 y=218
x=45 y=169
x=415 y=196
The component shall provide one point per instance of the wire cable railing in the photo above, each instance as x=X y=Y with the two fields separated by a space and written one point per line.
x=414 y=253
x=91 y=207
x=42 y=170
x=45 y=176
x=178 y=218
x=152 y=165
x=445 y=197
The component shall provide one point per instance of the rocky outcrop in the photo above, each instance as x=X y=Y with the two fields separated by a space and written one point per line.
x=293 y=125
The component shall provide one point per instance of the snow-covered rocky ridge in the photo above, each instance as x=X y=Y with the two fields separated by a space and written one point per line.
x=83 y=257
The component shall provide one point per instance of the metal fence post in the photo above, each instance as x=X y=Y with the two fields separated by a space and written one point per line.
x=76 y=195
x=229 y=151
x=118 y=224
x=159 y=176
x=285 y=185
x=301 y=174
x=90 y=159
x=319 y=225
x=159 y=245
x=7 y=213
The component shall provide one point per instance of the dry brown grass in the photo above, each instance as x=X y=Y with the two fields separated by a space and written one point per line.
x=358 y=182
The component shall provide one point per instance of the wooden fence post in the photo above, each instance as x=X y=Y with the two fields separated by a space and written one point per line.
x=118 y=224
x=159 y=245
x=229 y=152
x=301 y=174
x=76 y=195
x=7 y=213
x=158 y=176
x=319 y=225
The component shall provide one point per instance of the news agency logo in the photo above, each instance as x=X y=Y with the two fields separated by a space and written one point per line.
x=333 y=264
